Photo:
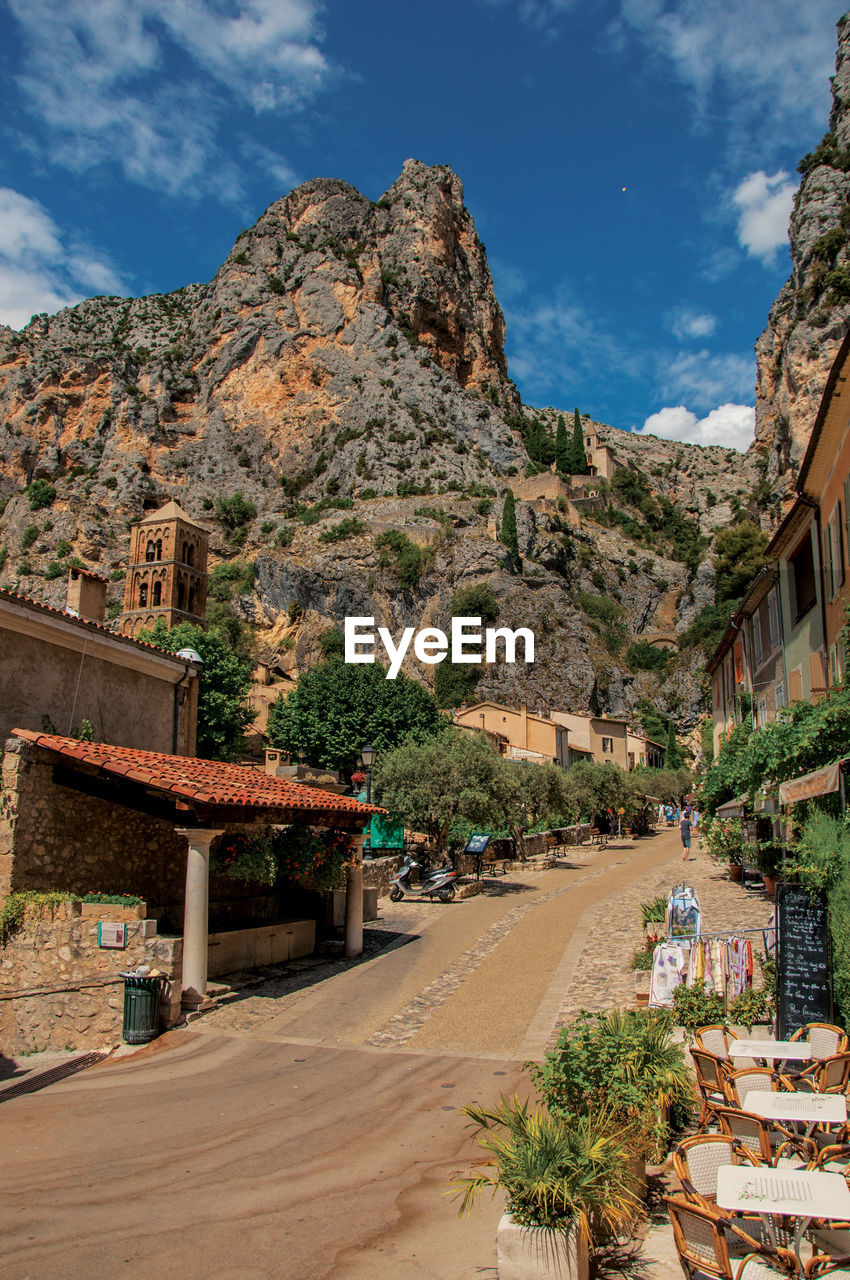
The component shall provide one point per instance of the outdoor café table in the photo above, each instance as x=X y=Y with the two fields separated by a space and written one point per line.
x=801 y=1108
x=792 y=1193
x=786 y=1050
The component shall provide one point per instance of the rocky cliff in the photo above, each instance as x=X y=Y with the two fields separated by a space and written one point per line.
x=810 y=316
x=345 y=374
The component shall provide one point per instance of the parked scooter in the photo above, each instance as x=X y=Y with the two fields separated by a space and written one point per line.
x=437 y=883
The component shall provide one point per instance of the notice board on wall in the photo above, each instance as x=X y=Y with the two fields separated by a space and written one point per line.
x=803 y=977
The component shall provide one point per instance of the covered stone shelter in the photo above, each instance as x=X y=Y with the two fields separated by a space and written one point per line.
x=78 y=816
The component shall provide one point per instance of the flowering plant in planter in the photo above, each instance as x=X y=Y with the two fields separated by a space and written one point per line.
x=724 y=839
x=313 y=859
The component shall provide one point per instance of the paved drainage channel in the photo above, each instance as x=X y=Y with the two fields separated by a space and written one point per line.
x=404 y=1024
x=42 y=1079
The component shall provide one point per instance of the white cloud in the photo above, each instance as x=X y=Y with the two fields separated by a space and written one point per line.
x=54 y=276
x=763 y=203
x=99 y=76
x=705 y=378
x=771 y=63
x=732 y=426
x=684 y=322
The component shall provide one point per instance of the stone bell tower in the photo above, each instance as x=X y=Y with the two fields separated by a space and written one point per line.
x=167 y=572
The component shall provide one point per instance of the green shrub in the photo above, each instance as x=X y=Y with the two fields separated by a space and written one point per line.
x=643 y=656
x=695 y=1007
x=234 y=512
x=347 y=528
x=55 y=569
x=398 y=553
x=284 y=536
x=41 y=493
x=29 y=536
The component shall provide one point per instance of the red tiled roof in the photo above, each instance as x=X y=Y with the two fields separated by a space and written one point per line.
x=204 y=782
x=87 y=573
x=15 y=598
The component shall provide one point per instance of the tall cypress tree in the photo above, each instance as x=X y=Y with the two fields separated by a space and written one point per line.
x=578 y=460
x=672 y=753
x=563 y=449
x=509 y=533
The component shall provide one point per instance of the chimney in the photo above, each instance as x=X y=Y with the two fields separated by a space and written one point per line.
x=86 y=595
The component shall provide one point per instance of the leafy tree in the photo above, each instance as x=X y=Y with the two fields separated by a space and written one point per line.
x=398 y=553
x=563 y=451
x=223 y=714
x=643 y=656
x=437 y=781
x=672 y=751
x=234 y=512
x=526 y=793
x=578 y=457
x=337 y=707
x=739 y=554
x=454 y=682
x=509 y=530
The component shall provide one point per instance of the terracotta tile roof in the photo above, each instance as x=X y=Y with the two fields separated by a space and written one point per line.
x=205 y=782
x=14 y=598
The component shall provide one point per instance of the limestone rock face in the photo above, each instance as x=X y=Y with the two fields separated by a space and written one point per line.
x=810 y=316
x=346 y=363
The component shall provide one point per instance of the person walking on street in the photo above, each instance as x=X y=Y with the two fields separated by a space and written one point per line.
x=685 y=832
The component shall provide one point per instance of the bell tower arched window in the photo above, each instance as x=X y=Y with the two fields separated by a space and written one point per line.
x=157 y=594
x=143 y=595
x=150 y=550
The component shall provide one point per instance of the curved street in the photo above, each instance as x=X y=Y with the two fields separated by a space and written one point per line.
x=308 y=1126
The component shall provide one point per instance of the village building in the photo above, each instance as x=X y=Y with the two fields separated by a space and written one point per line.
x=597 y=738
x=519 y=735
x=62 y=667
x=784 y=642
x=167 y=572
x=643 y=752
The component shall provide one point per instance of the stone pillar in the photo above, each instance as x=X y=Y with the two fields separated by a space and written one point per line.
x=354 y=899
x=196 y=913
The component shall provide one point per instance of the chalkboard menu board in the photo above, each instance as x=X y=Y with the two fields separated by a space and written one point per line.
x=803 y=985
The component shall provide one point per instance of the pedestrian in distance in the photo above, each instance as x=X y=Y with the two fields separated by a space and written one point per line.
x=685 y=832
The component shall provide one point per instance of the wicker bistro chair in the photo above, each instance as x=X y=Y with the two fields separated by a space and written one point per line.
x=697 y=1159
x=829 y=1075
x=825 y=1039
x=703 y=1238
x=833 y=1238
x=825 y=1264
x=766 y=1143
x=737 y=1084
x=715 y=1039
x=711 y=1074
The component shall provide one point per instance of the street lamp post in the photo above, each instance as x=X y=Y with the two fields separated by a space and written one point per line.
x=367 y=755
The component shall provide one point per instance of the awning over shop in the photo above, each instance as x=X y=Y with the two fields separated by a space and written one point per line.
x=818 y=783
x=733 y=808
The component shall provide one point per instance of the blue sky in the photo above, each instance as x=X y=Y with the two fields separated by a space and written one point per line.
x=630 y=164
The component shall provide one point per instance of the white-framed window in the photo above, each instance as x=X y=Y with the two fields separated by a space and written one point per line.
x=756 y=631
x=773 y=619
x=607 y=746
x=761 y=709
x=779 y=694
x=834 y=549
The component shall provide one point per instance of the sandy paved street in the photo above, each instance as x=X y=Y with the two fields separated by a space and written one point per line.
x=308 y=1130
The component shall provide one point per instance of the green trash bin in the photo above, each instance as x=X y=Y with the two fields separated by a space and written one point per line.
x=141 y=1009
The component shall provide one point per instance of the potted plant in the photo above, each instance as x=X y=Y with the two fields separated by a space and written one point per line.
x=624 y=1061
x=724 y=840
x=653 y=913
x=695 y=1007
x=642 y=965
x=768 y=859
x=751 y=1011
x=567 y=1183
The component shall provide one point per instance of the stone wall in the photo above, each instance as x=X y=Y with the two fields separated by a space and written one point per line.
x=59 y=990
x=53 y=836
x=378 y=872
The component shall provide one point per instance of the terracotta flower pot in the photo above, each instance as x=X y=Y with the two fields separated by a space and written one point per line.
x=736 y=872
x=769 y=885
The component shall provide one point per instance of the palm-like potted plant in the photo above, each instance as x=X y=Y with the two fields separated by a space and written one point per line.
x=567 y=1183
